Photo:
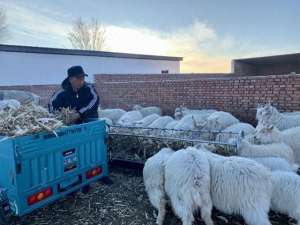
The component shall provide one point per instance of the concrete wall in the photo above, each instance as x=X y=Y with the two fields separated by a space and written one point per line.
x=19 y=68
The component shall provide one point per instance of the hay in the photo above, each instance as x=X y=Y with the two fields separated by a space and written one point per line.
x=138 y=149
x=123 y=203
x=28 y=119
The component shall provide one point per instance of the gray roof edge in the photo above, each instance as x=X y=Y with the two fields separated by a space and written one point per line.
x=61 y=51
x=266 y=57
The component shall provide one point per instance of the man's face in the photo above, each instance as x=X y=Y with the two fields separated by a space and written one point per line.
x=76 y=82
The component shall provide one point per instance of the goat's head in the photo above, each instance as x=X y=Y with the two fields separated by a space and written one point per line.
x=199 y=123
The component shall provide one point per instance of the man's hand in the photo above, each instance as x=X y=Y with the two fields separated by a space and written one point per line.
x=72 y=118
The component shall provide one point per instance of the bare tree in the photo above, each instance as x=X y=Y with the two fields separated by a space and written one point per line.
x=3 y=26
x=88 y=36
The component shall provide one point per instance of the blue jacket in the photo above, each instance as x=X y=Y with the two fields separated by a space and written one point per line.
x=85 y=101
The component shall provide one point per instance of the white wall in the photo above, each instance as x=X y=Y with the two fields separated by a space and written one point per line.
x=18 y=68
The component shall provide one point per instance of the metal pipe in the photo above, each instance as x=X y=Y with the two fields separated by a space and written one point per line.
x=172 y=138
x=164 y=129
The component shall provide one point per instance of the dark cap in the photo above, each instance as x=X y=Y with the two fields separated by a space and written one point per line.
x=76 y=71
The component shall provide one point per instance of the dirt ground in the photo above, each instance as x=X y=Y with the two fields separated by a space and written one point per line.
x=122 y=203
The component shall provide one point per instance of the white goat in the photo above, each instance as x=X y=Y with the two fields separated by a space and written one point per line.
x=291 y=113
x=233 y=130
x=241 y=186
x=24 y=97
x=172 y=125
x=269 y=115
x=246 y=149
x=146 y=121
x=10 y=103
x=161 y=122
x=286 y=194
x=270 y=134
x=170 y=129
x=276 y=164
x=181 y=112
x=129 y=118
x=113 y=114
x=217 y=121
x=154 y=176
x=187 y=183
x=220 y=120
x=189 y=122
x=146 y=111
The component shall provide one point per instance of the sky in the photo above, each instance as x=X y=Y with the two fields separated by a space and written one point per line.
x=208 y=34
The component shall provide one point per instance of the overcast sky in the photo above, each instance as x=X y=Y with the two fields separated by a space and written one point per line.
x=208 y=34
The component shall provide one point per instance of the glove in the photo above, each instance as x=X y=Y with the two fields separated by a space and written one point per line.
x=72 y=118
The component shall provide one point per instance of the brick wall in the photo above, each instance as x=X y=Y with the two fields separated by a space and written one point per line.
x=44 y=91
x=238 y=95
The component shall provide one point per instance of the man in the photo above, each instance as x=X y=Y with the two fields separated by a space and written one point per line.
x=78 y=95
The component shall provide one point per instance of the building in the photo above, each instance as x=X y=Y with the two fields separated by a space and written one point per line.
x=268 y=65
x=26 y=65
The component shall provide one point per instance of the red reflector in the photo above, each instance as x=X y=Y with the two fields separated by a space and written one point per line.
x=39 y=196
x=48 y=192
x=31 y=200
x=99 y=170
x=93 y=172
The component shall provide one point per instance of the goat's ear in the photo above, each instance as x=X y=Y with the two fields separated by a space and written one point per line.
x=194 y=121
x=243 y=134
x=269 y=108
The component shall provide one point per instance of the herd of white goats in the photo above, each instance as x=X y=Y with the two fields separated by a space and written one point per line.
x=261 y=177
